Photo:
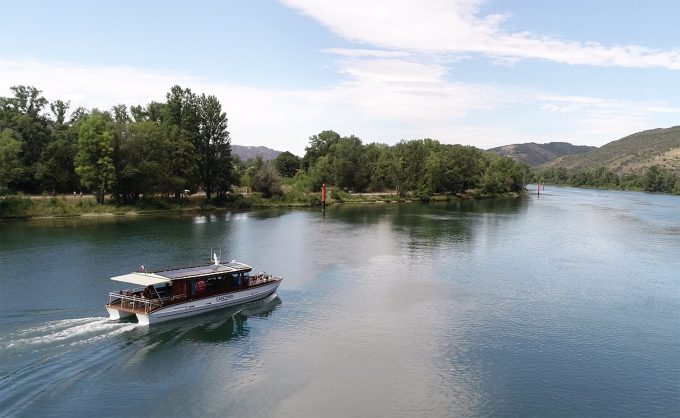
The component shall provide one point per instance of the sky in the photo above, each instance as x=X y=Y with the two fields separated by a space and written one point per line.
x=473 y=72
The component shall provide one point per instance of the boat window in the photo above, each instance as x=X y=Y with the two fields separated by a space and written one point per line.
x=236 y=279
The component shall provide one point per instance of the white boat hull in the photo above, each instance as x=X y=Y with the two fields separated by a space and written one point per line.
x=199 y=306
x=117 y=314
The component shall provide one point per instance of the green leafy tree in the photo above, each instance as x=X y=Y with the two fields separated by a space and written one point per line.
x=94 y=161
x=145 y=154
x=376 y=169
x=121 y=120
x=659 y=179
x=395 y=162
x=214 y=148
x=23 y=113
x=56 y=169
x=288 y=164
x=182 y=109
x=346 y=168
x=320 y=173
x=10 y=159
x=265 y=179
x=180 y=162
x=319 y=146
x=504 y=175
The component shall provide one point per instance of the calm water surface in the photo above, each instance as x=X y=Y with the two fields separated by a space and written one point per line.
x=563 y=305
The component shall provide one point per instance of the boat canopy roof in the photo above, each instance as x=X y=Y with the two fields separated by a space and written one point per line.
x=204 y=270
x=142 y=279
x=167 y=276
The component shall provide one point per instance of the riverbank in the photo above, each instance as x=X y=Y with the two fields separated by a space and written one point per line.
x=28 y=207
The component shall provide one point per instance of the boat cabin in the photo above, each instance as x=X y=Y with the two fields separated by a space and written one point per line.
x=180 y=285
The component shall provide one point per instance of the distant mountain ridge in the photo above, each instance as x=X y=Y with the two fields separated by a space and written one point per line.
x=631 y=154
x=246 y=153
x=536 y=154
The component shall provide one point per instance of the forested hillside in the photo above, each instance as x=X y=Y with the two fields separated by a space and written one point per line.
x=648 y=160
x=633 y=153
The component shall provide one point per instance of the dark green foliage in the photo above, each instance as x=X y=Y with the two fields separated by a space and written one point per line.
x=265 y=178
x=10 y=159
x=422 y=166
x=654 y=179
x=319 y=146
x=213 y=147
x=23 y=114
x=94 y=161
x=659 y=179
x=165 y=148
x=288 y=164
x=504 y=175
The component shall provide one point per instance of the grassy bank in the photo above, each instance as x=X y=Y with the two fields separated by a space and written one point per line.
x=24 y=207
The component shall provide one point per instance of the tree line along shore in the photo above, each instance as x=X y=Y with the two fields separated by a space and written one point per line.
x=176 y=155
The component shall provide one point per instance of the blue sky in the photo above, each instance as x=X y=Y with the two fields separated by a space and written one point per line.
x=484 y=73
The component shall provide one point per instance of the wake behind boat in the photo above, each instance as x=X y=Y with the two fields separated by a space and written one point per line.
x=186 y=291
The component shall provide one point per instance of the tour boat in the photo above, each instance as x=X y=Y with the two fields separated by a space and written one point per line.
x=186 y=291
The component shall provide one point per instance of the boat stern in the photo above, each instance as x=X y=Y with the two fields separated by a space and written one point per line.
x=143 y=319
x=117 y=314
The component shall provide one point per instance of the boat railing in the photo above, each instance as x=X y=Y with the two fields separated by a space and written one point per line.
x=134 y=301
x=261 y=278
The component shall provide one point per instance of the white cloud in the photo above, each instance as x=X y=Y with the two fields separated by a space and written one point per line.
x=445 y=26
x=375 y=53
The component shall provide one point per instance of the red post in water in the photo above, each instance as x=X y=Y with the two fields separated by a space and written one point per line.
x=323 y=196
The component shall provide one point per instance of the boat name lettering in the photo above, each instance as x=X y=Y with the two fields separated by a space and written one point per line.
x=223 y=298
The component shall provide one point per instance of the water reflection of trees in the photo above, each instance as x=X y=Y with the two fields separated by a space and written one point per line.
x=428 y=224
x=360 y=214
x=449 y=223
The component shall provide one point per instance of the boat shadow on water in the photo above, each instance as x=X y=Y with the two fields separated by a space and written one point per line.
x=212 y=327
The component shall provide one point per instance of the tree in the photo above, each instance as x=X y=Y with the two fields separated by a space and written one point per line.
x=94 y=161
x=380 y=173
x=659 y=179
x=504 y=175
x=10 y=159
x=56 y=168
x=182 y=109
x=144 y=153
x=179 y=162
x=320 y=172
x=23 y=114
x=287 y=164
x=265 y=178
x=346 y=168
x=319 y=146
x=214 y=147
x=121 y=120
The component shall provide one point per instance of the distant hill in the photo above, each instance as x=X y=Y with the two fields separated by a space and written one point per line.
x=633 y=153
x=537 y=154
x=246 y=153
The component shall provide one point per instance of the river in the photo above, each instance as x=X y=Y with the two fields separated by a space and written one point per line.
x=567 y=304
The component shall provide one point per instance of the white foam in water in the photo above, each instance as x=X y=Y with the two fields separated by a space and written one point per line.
x=52 y=326
x=123 y=328
x=69 y=329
